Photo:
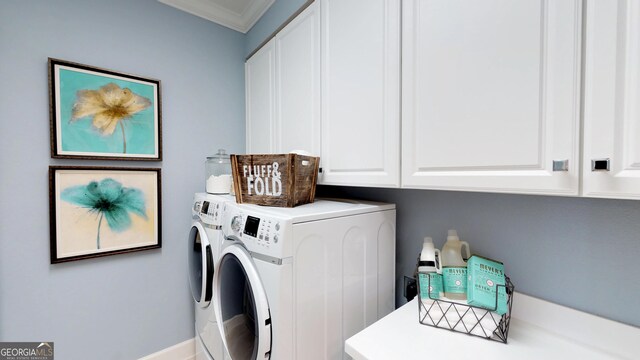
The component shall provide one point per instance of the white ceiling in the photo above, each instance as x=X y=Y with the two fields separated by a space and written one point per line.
x=239 y=15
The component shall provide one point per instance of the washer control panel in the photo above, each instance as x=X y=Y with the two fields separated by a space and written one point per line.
x=262 y=231
x=268 y=231
x=265 y=231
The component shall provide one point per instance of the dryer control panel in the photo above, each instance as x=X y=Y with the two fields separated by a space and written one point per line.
x=210 y=213
x=208 y=209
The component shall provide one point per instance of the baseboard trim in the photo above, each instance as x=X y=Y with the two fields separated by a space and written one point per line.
x=185 y=350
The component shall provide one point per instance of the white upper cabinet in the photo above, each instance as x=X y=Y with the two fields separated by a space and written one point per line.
x=283 y=89
x=361 y=92
x=491 y=95
x=612 y=99
x=260 y=100
x=297 y=125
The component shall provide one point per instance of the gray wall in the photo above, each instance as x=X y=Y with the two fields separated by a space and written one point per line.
x=581 y=253
x=124 y=306
x=578 y=252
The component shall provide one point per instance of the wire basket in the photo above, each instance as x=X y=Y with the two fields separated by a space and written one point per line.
x=466 y=319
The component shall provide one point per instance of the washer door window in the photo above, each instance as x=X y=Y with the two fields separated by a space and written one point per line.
x=244 y=310
x=200 y=265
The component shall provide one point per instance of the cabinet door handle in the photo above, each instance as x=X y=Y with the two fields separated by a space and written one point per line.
x=560 y=165
x=600 y=165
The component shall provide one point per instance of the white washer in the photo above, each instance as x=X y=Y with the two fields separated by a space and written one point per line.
x=205 y=238
x=296 y=283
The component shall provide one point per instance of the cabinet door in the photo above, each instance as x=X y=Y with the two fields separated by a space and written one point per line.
x=491 y=95
x=297 y=124
x=612 y=99
x=360 y=92
x=259 y=95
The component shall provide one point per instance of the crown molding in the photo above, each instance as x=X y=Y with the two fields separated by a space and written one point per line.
x=212 y=11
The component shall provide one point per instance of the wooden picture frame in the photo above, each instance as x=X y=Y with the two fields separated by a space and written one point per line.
x=102 y=114
x=98 y=211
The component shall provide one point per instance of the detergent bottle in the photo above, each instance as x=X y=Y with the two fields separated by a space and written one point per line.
x=429 y=271
x=454 y=267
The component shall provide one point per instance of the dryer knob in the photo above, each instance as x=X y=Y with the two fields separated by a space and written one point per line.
x=236 y=223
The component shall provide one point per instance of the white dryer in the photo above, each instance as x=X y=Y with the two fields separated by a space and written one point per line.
x=295 y=283
x=204 y=242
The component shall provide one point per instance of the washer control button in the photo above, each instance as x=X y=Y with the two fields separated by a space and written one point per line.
x=236 y=223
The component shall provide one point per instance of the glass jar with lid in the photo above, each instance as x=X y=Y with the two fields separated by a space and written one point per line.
x=218 y=173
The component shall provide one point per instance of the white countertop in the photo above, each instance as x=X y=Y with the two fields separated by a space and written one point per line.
x=399 y=335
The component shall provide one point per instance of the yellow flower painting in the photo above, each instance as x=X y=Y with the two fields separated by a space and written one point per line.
x=98 y=113
x=108 y=106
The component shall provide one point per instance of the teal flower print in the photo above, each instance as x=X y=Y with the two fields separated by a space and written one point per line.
x=109 y=199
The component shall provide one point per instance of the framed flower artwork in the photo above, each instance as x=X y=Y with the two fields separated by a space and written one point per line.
x=99 y=211
x=102 y=114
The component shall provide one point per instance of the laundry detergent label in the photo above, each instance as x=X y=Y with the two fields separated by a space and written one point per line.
x=487 y=284
x=455 y=279
x=430 y=285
